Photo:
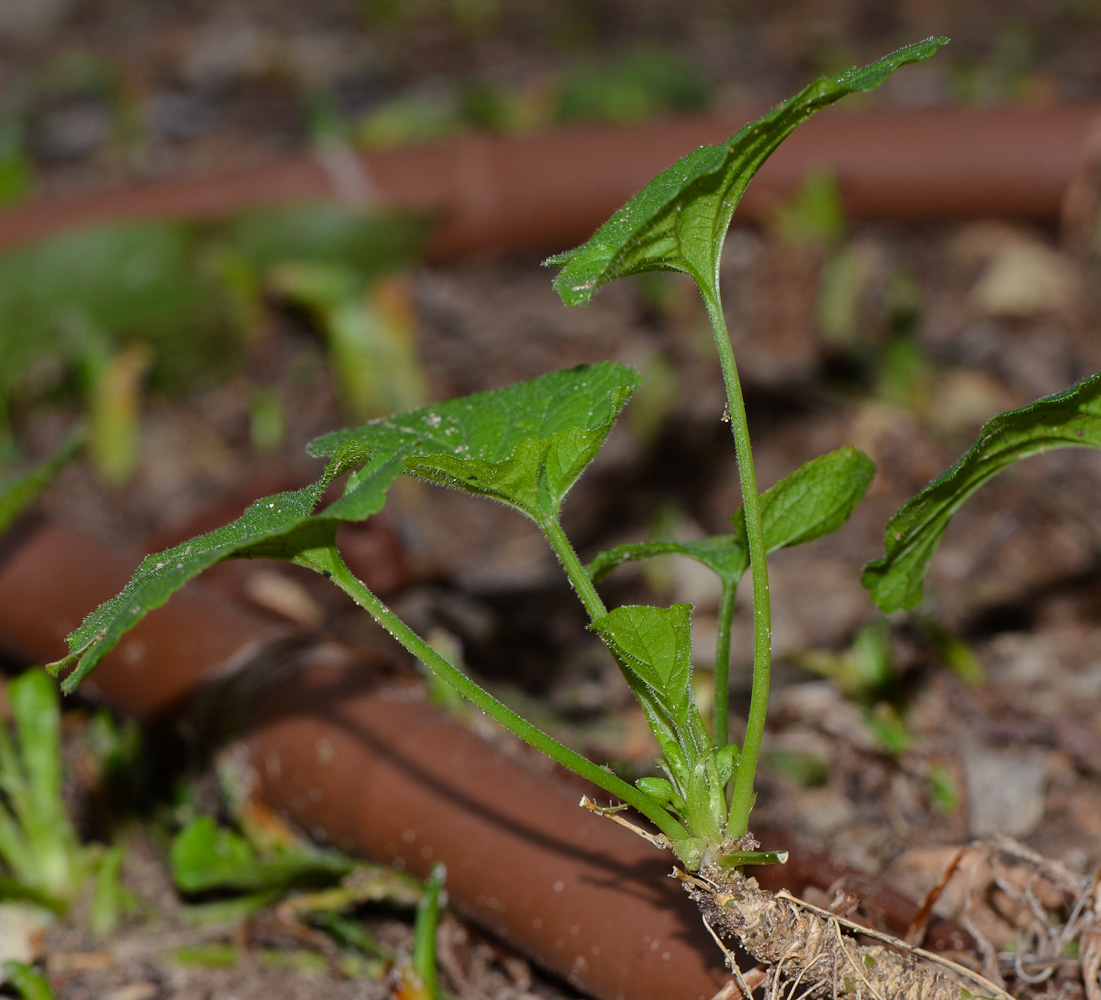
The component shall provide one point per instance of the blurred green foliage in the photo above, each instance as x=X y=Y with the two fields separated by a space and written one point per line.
x=631 y=87
x=104 y=314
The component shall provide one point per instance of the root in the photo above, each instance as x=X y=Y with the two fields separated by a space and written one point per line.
x=1050 y=916
x=815 y=953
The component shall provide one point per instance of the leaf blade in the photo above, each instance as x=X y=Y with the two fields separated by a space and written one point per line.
x=724 y=555
x=275 y=527
x=1067 y=419
x=679 y=220
x=654 y=647
x=525 y=444
x=814 y=500
x=19 y=492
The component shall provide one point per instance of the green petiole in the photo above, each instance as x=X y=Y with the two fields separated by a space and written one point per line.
x=327 y=561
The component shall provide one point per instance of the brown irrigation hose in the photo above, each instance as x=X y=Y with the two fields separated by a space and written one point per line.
x=380 y=773
x=549 y=190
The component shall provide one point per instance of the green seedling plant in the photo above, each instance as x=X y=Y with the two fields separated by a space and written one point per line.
x=231 y=871
x=41 y=852
x=526 y=445
x=232 y=875
x=418 y=980
x=43 y=861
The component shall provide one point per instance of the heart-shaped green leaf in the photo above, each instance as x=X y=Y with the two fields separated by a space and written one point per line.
x=679 y=220
x=524 y=445
x=1068 y=419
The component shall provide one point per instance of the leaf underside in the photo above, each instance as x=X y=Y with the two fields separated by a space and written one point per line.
x=1068 y=419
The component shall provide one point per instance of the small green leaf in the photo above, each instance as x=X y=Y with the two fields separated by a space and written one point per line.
x=726 y=761
x=662 y=790
x=109 y=896
x=679 y=220
x=38 y=842
x=807 y=504
x=37 y=713
x=814 y=500
x=524 y=445
x=725 y=555
x=654 y=646
x=1067 y=419
x=276 y=527
x=424 y=932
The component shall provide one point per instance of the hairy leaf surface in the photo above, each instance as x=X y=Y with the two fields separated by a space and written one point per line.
x=276 y=527
x=524 y=445
x=1068 y=419
x=679 y=220
x=814 y=500
x=654 y=647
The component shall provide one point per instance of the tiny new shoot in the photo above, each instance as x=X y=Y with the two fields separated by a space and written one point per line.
x=525 y=445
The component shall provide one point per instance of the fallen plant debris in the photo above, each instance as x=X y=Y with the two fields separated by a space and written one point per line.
x=1050 y=916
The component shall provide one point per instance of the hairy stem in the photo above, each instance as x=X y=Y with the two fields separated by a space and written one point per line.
x=574 y=569
x=721 y=711
x=327 y=560
x=742 y=799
